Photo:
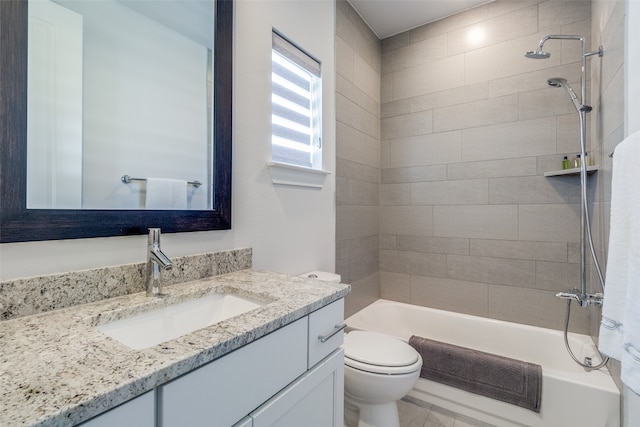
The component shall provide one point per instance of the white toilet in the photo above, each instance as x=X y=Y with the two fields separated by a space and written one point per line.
x=379 y=370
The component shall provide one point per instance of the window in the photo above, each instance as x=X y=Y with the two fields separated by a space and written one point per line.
x=295 y=106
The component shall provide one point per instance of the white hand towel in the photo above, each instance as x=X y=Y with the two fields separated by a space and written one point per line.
x=620 y=326
x=166 y=194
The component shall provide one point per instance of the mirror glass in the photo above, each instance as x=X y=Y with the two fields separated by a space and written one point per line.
x=120 y=104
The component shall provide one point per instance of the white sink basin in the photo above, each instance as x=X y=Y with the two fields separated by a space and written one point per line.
x=166 y=323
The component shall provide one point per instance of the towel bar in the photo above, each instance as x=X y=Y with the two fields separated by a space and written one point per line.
x=127 y=180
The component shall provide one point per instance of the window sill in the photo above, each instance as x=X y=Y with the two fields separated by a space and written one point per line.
x=298 y=176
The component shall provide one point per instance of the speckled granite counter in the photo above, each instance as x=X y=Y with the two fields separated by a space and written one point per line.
x=56 y=369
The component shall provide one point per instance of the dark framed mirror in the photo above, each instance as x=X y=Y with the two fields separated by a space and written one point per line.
x=20 y=224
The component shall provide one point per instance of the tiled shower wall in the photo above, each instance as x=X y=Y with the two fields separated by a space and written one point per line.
x=358 y=157
x=468 y=222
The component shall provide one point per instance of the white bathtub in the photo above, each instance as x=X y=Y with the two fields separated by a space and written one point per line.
x=571 y=397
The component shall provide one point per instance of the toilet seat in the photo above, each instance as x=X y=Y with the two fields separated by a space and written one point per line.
x=379 y=353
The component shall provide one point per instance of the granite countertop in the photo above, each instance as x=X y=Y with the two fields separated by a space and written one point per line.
x=56 y=369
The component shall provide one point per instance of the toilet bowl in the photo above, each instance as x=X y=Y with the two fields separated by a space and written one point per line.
x=379 y=370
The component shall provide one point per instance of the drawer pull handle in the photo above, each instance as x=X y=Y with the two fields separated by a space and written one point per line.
x=337 y=328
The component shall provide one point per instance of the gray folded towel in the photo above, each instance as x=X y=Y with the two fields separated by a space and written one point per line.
x=509 y=380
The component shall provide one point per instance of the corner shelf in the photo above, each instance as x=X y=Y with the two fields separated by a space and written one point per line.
x=572 y=171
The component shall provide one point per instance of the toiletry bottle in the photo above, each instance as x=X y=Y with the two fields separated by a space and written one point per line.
x=587 y=159
x=565 y=163
x=576 y=161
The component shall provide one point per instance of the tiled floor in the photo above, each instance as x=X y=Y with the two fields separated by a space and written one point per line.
x=415 y=413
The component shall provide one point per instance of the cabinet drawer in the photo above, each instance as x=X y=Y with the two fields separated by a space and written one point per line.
x=224 y=391
x=139 y=412
x=322 y=324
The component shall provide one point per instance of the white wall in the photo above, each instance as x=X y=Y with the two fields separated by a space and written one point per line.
x=291 y=230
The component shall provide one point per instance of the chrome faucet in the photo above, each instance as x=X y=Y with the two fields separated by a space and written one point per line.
x=155 y=259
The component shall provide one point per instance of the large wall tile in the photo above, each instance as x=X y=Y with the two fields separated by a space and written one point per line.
x=534 y=189
x=476 y=221
x=355 y=192
x=555 y=13
x=499 y=29
x=432 y=149
x=458 y=192
x=409 y=220
x=448 y=294
x=395 y=286
x=362 y=99
x=557 y=276
x=352 y=170
x=414 y=54
x=479 y=113
x=421 y=263
x=363 y=292
x=522 y=166
x=450 y=23
x=395 y=194
x=547 y=102
x=549 y=223
x=509 y=140
x=439 y=245
x=432 y=76
x=357 y=221
x=534 y=307
x=506 y=59
x=518 y=249
x=501 y=271
x=344 y=59
x=536 y=79
x=407 y=125
x=353 y=115
x=356 y=146
x=414 y=174
x=368 y=79
x=443 y=98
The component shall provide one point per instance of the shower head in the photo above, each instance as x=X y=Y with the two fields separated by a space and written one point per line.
x=560 y=82
x=537 y=54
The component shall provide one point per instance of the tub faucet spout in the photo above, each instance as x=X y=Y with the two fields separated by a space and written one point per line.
x=155 y=259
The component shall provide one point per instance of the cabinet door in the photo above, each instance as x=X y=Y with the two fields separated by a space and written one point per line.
x=138 y=412
x=226 y=390
x=313 y=400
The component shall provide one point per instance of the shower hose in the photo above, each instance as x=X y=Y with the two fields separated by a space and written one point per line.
x=587 y=222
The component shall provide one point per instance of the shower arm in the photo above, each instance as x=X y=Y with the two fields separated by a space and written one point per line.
x=584 y=56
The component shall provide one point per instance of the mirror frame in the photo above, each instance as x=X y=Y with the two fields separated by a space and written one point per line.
x=19 y=224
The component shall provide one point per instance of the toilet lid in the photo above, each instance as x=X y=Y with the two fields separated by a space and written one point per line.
x=378 y=349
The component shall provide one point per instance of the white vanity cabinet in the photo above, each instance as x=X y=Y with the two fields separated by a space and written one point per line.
x=138 y=412
x=283 y=379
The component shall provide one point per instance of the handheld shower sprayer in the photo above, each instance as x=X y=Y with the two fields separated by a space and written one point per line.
x=560 y=82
